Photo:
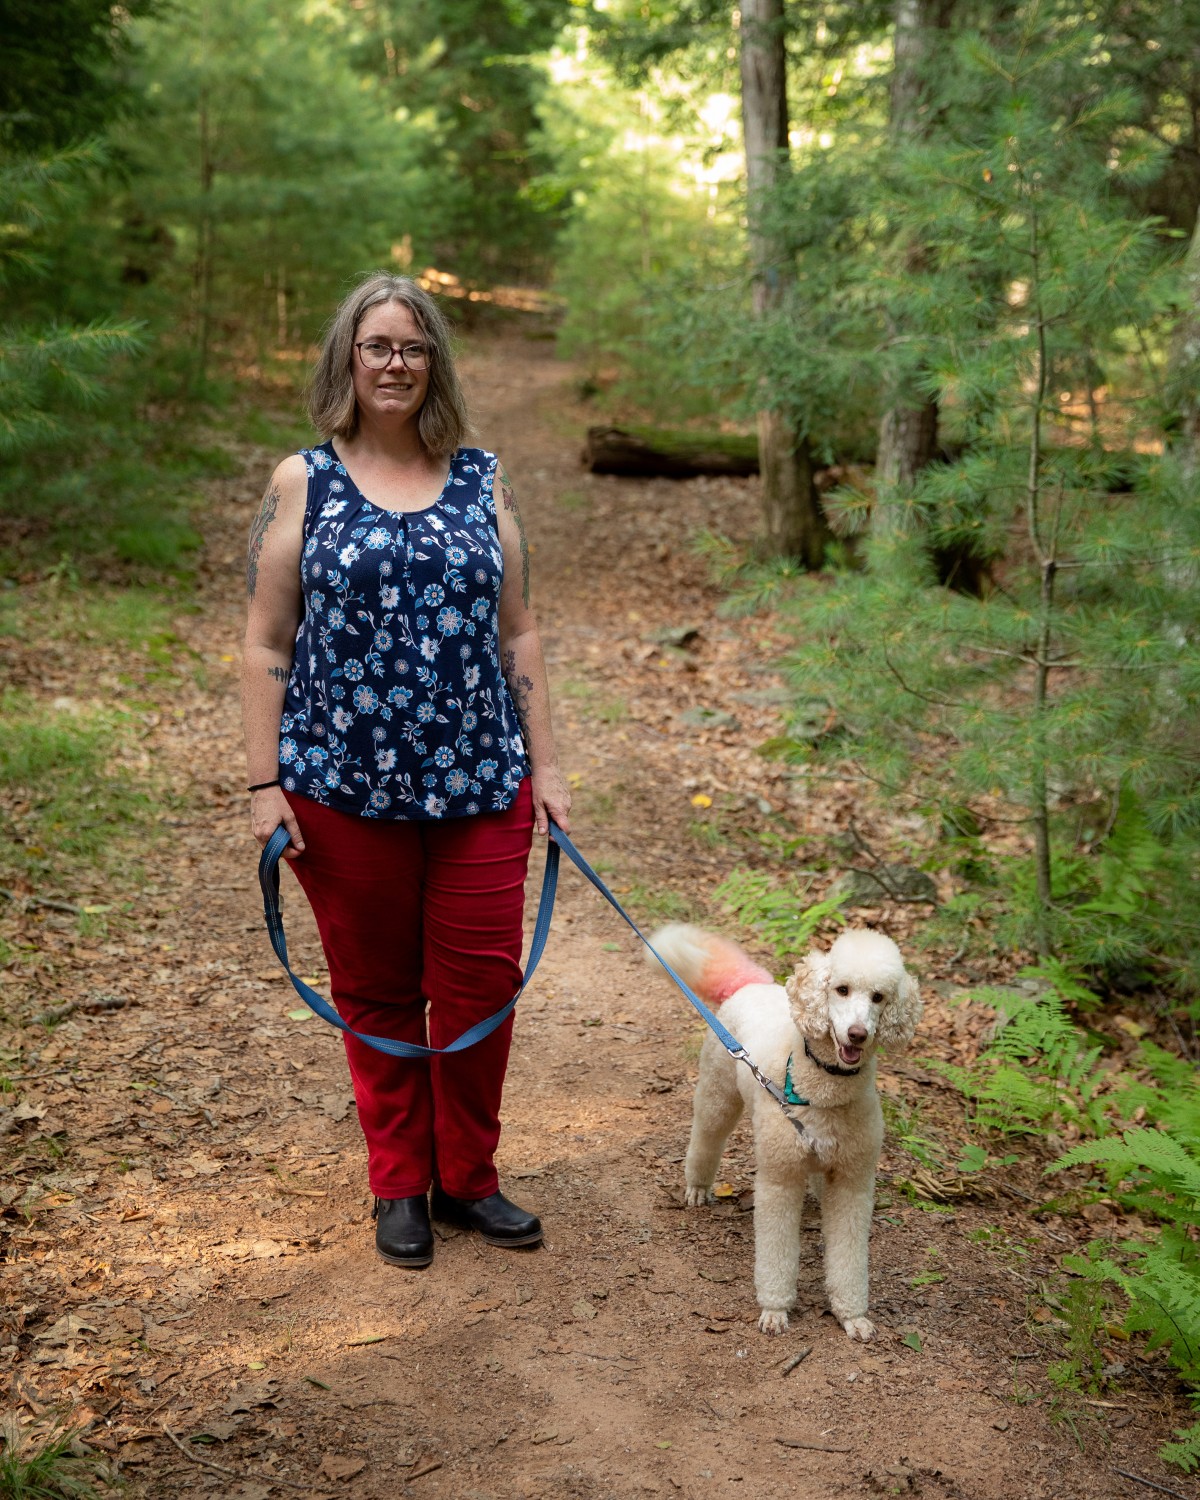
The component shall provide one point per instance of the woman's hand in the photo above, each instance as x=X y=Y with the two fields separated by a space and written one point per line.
x=551 y=799
x=268 y=809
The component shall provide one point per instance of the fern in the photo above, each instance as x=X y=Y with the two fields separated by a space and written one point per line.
x=1186 y=1452
x=1161 y=1280
x=1039 y=1067
x=777 y=915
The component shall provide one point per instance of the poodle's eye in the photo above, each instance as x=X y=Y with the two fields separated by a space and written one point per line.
x=843 y=989
x=877 y=998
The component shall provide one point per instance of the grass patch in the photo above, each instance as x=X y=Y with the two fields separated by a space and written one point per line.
x=117 y=502
x=273 y=429
x=40 y=1465
x=66 y=798
x=651 y=907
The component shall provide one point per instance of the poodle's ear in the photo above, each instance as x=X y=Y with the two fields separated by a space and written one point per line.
x=808 y=992
x=901 y=1016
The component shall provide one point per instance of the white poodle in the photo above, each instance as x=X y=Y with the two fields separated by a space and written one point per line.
x=817 y=1036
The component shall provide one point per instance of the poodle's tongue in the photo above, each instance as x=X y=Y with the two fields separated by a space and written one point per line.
x=849 y=1055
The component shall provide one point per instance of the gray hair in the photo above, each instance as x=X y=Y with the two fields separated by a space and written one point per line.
x=443 y=421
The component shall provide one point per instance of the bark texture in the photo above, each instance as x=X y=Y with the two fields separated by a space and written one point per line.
x=792 y=515
x=908 y=431
x=1185 y=363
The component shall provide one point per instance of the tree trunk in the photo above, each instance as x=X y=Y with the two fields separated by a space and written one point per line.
x=792 y=514
x=647 y=452
x=1185 y=364
x=908 y=431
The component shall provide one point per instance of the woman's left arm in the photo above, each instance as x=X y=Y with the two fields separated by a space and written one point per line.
x=524 y=667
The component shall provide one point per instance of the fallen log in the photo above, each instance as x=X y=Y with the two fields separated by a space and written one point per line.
x=655 y=453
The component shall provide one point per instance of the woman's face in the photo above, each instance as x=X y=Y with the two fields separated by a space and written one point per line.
x=393 y=395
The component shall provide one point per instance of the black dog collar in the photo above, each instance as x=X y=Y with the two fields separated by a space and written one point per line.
x=830 y=1067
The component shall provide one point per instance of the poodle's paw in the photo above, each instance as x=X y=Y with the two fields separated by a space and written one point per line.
x=697 y=1197
x=859 y=1328
x=773 y=1320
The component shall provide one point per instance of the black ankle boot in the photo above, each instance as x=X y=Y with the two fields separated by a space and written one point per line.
x=497 y=1221
x=402 y=1233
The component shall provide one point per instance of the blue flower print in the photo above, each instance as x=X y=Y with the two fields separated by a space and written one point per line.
x=449 y=621
x=380 y=611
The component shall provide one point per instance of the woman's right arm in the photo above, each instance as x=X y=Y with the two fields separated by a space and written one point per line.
x=275 y=608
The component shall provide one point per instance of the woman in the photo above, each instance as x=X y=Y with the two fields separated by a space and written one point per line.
x=397 y=724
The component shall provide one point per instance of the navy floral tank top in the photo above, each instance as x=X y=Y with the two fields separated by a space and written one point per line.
x=396 y=706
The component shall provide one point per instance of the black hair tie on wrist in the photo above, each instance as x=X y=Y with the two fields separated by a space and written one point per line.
x=263 y=785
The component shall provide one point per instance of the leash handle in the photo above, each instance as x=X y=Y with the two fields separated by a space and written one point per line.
x=268 y=879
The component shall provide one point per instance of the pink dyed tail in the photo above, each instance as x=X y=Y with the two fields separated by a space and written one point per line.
x=713 y=966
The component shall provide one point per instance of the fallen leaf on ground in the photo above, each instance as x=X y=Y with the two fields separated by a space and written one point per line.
x=334 y=1467
x=250 y=1249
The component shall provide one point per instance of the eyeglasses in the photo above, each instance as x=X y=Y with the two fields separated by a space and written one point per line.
x=377 y=356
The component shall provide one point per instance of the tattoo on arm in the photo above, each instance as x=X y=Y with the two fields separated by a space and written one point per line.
x=258 y=533
x=278 y=673
x=520 y=689
x=510 y=503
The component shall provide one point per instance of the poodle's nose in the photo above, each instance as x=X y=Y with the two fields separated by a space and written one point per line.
x=857 y=1034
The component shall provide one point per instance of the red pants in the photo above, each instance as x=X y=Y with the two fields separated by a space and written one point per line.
x=413 y=914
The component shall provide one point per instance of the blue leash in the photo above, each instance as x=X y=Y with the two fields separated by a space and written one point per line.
x=268 y=877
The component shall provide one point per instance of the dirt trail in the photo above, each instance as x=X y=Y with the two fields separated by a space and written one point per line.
x=205 y=1261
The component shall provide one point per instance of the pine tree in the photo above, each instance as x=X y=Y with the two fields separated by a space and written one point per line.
x=1065 y=698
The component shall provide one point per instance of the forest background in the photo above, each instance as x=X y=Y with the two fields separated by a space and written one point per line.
x=941 y=256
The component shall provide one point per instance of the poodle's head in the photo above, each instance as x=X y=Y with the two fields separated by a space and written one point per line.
x=859 y=994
